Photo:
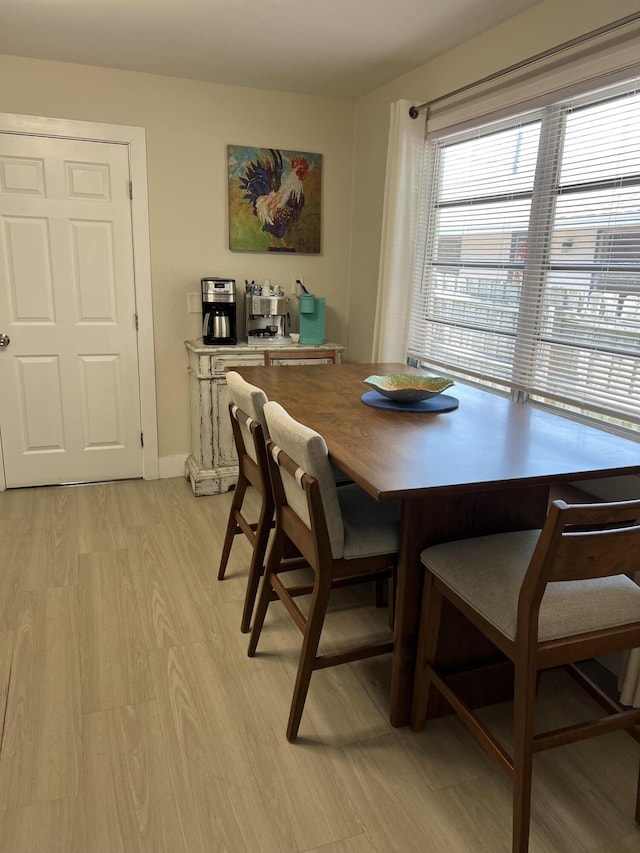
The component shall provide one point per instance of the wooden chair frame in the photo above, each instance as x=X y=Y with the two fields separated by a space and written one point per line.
x=255 y=474
x=577 y=542
x=271 y=357
x=329 y=573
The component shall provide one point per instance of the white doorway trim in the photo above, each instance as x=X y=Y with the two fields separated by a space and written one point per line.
x=134 y=138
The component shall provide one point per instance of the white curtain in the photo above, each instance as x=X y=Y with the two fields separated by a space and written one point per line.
x=399 y=219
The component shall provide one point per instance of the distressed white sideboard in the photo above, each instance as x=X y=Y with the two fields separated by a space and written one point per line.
x=212 y=466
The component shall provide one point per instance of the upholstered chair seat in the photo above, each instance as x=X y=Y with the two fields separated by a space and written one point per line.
x=487 y=573
x=370 y=527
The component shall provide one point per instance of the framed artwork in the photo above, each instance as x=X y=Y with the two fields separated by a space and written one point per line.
x=274 y=200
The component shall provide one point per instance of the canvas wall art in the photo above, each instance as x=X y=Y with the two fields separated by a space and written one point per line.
x=274 y=200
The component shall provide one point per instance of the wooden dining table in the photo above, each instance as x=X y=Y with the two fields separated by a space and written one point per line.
x=484 y=467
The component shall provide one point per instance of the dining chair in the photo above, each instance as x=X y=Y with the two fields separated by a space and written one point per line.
x=325 y=355
x=546 y=599
x=250 y=434
x=248 y=425
x=345 y=535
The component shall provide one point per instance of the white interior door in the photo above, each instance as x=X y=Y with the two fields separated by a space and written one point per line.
x=70 y=408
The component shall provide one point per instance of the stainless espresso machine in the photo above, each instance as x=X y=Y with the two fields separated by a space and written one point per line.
x=267 y=314
x=218 y=311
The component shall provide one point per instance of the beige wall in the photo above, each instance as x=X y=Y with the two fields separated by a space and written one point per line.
x=188 y=126
x=541 y=27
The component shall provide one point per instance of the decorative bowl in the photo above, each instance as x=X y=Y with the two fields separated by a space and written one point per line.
x=408 y=387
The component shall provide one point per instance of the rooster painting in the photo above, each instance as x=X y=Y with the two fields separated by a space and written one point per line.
x=280 y=190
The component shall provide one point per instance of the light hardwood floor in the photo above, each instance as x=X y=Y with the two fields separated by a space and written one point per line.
x=132 y=719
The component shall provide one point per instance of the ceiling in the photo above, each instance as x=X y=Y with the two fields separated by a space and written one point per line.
x=335 y=48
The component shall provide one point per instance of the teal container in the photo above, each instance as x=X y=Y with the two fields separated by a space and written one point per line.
x=312 y=319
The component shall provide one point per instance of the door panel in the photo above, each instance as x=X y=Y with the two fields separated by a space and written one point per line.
x=39 y=395
x=101 y=395
x=29 y=277
x=69 y=378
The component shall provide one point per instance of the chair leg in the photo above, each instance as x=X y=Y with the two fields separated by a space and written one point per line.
x=426 y=651
x=381 y=592
x=638 y=800
x=256 y=569
x=236 y=506
x=523 y=731
x=306 y=666
x=273 y=561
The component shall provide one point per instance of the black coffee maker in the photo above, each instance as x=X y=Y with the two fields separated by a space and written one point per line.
x=218 y=311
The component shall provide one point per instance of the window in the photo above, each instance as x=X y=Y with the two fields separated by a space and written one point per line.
x=529 y=275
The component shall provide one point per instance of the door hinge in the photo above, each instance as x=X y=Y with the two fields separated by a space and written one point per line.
x=141 y=439
x=131 y=189
x=136 y=319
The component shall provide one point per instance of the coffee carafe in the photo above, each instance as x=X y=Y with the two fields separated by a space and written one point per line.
x=218 y=311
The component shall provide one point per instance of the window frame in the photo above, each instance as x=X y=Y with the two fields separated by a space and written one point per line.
x=535 y=265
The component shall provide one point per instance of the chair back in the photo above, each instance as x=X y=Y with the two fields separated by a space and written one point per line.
x=250 y=400
x=307 y=451
x=581 y=542
x=329 y=356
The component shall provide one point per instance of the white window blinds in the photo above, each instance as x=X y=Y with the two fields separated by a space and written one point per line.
x=529 y=275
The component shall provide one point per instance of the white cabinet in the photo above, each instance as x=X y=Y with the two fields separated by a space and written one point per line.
x=212 y=466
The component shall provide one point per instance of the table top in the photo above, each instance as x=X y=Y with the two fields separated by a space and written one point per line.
x=487 y=442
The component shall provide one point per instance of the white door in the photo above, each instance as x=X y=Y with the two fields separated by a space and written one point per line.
x=69 y=391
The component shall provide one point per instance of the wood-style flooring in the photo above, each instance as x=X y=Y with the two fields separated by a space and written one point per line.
x=133 y=720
